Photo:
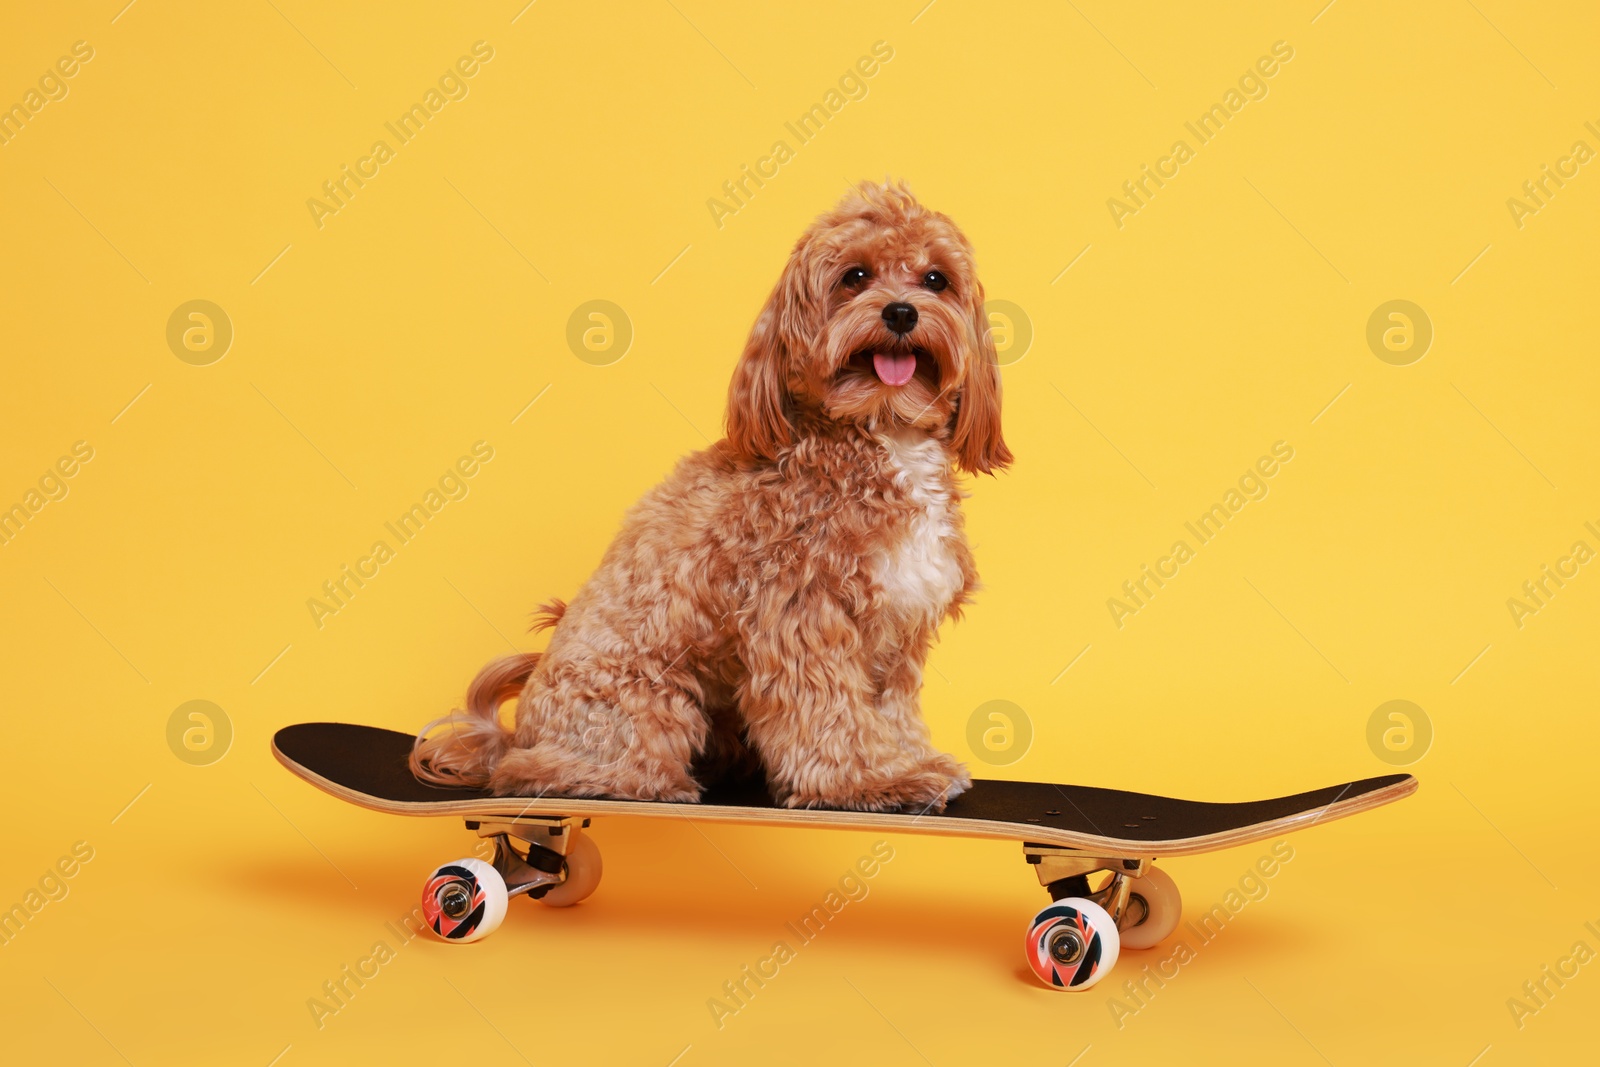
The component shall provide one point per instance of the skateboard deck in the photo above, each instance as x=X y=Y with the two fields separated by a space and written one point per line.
x=1074 y=836
x=366 y=765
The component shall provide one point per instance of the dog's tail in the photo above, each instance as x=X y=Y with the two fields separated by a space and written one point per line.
x=472 y=741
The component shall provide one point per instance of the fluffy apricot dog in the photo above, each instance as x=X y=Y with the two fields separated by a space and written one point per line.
x=771 y=604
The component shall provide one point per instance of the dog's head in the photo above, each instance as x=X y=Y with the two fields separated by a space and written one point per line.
x=878 y=320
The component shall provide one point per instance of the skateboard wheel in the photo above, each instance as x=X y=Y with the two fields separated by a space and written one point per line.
x=1154 y=908
x=583 y=873
x=465 y=900
x=1072 y=943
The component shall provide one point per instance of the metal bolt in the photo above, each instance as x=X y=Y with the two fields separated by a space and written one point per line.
x=455 y=900
x=1066 y=946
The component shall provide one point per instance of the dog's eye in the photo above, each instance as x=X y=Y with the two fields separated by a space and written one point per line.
x=935 y=281
x=853 y=277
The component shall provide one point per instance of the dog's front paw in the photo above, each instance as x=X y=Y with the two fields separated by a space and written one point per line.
x=935 y=783
x=919 y=787
x=960 y=782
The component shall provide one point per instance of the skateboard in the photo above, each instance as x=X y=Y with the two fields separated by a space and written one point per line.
x=1093 y=849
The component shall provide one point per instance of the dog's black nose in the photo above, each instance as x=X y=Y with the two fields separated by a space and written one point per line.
x=900 y=317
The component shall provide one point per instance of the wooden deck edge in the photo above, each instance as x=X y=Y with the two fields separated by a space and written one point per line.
x=936 y=825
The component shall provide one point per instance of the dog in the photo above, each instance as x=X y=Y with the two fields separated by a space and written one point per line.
x=770 y=605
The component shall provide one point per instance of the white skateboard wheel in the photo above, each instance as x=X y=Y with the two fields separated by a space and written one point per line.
x=465 y=900
x=583 y=873
x=1072 y=943
x=1154 y=907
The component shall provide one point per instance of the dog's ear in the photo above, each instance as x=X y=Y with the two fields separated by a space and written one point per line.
x=759 y=419
x=975 y=426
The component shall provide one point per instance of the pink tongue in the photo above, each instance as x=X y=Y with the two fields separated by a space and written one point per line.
x=894 y=369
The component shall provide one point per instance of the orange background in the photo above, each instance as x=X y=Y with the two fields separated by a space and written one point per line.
x=1228 y=313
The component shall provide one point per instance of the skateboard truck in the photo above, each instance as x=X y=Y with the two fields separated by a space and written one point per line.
x=541 y=864
x=543 y=857
x=1077 y=936
x=1065 y=873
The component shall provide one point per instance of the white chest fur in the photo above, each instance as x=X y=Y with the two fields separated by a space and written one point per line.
x=917 y=572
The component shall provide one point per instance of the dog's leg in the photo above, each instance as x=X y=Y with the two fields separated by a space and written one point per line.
x=900 y=664
x=811 y=707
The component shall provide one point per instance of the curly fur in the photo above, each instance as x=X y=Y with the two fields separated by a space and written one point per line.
x=771 y=604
